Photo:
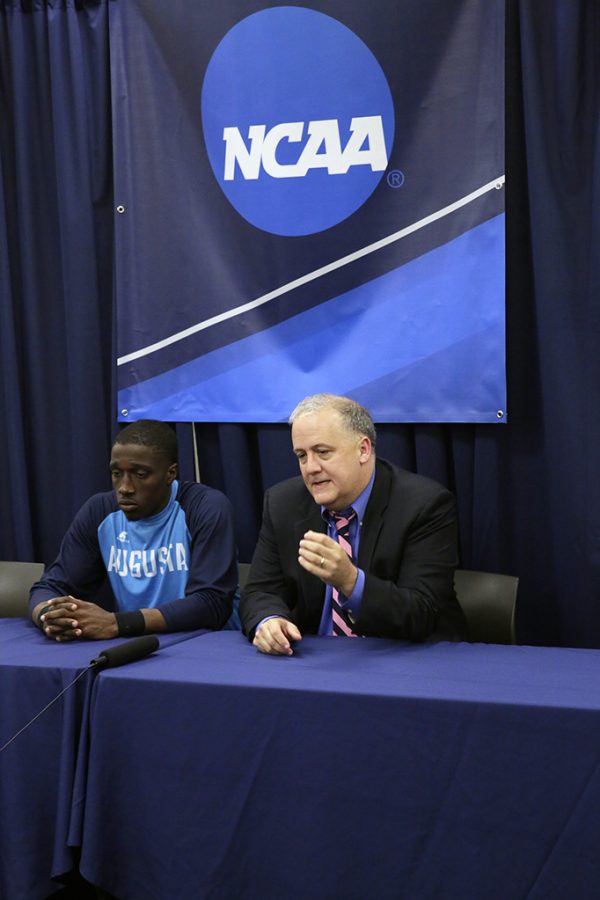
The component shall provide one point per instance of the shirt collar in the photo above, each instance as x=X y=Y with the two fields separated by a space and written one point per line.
x=359 y=505
x=166 y=511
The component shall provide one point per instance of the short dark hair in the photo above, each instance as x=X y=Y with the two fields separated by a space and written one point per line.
x=150 y=433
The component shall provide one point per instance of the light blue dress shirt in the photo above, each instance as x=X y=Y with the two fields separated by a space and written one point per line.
x=351 y=605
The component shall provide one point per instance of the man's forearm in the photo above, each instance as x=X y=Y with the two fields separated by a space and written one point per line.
x=154 y=621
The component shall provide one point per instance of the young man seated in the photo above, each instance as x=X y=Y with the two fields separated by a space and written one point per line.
x=166 y=548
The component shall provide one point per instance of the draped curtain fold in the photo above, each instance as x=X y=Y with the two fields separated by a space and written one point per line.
x=527 y=492
x=55 y=265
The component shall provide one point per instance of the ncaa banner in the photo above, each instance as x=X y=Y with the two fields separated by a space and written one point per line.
x=309 y=198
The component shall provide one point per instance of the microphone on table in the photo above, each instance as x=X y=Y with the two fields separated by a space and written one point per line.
x=129 y=651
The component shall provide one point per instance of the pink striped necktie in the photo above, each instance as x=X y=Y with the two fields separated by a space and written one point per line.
x=341 y=623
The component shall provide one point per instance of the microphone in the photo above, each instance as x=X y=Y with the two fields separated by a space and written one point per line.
x=129 y=651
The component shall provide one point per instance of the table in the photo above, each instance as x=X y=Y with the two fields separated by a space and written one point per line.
x=43 y=772
x=354 y=769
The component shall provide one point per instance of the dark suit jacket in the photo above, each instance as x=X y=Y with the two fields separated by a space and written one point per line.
x=408 y=552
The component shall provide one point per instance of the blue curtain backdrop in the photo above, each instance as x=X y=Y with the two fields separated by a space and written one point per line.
x=55 y=268
x=527 y=492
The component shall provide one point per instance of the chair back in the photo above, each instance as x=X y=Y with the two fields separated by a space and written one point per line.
x=488 y=601
x=243 y=572
x=16 y=579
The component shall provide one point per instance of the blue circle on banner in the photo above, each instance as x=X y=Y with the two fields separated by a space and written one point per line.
x=298 y=120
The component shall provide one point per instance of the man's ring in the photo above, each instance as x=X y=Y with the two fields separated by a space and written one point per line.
x=322 y=562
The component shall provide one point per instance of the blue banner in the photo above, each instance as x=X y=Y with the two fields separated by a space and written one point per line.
x=309 y=198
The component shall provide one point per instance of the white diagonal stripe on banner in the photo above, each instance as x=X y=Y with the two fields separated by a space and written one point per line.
x=312 y=276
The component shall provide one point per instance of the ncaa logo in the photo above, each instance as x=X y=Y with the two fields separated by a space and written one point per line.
x=298 y=120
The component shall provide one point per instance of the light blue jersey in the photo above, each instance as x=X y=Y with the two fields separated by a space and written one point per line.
x=147 y=561
x=182 y=559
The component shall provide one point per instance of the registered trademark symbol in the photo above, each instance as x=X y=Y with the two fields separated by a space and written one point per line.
x=395 y=178
x=257 y=139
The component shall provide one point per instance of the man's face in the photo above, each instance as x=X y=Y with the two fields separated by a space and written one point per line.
x=142 y=479
x=336 y=464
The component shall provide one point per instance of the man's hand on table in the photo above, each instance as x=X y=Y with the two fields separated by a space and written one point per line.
x=275 y=636
x=70 y=619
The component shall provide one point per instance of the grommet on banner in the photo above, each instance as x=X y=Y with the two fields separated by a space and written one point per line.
x=327 y=176
x=124 y=412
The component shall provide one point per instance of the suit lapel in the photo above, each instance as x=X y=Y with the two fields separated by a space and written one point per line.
x=310 y=520
x=309 y=517
x=373 y=518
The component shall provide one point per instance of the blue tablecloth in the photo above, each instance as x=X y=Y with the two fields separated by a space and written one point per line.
x=43 y=772
x=354 y=769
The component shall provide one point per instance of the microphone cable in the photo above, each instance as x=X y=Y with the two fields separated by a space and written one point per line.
x=47 y=706
x=129 y=651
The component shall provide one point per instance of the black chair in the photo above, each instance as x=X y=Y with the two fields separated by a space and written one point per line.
x=16 y=579
x=488 y=602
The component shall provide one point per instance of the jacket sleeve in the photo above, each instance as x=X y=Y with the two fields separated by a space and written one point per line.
x=267 y=591
x=212 y=580
x=78 y=570
x=419 y=601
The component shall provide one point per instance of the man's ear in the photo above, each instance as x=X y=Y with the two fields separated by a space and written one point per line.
x=171 y=473
x=365 y=448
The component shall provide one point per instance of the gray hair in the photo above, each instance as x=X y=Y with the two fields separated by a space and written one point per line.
x=354 y=416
